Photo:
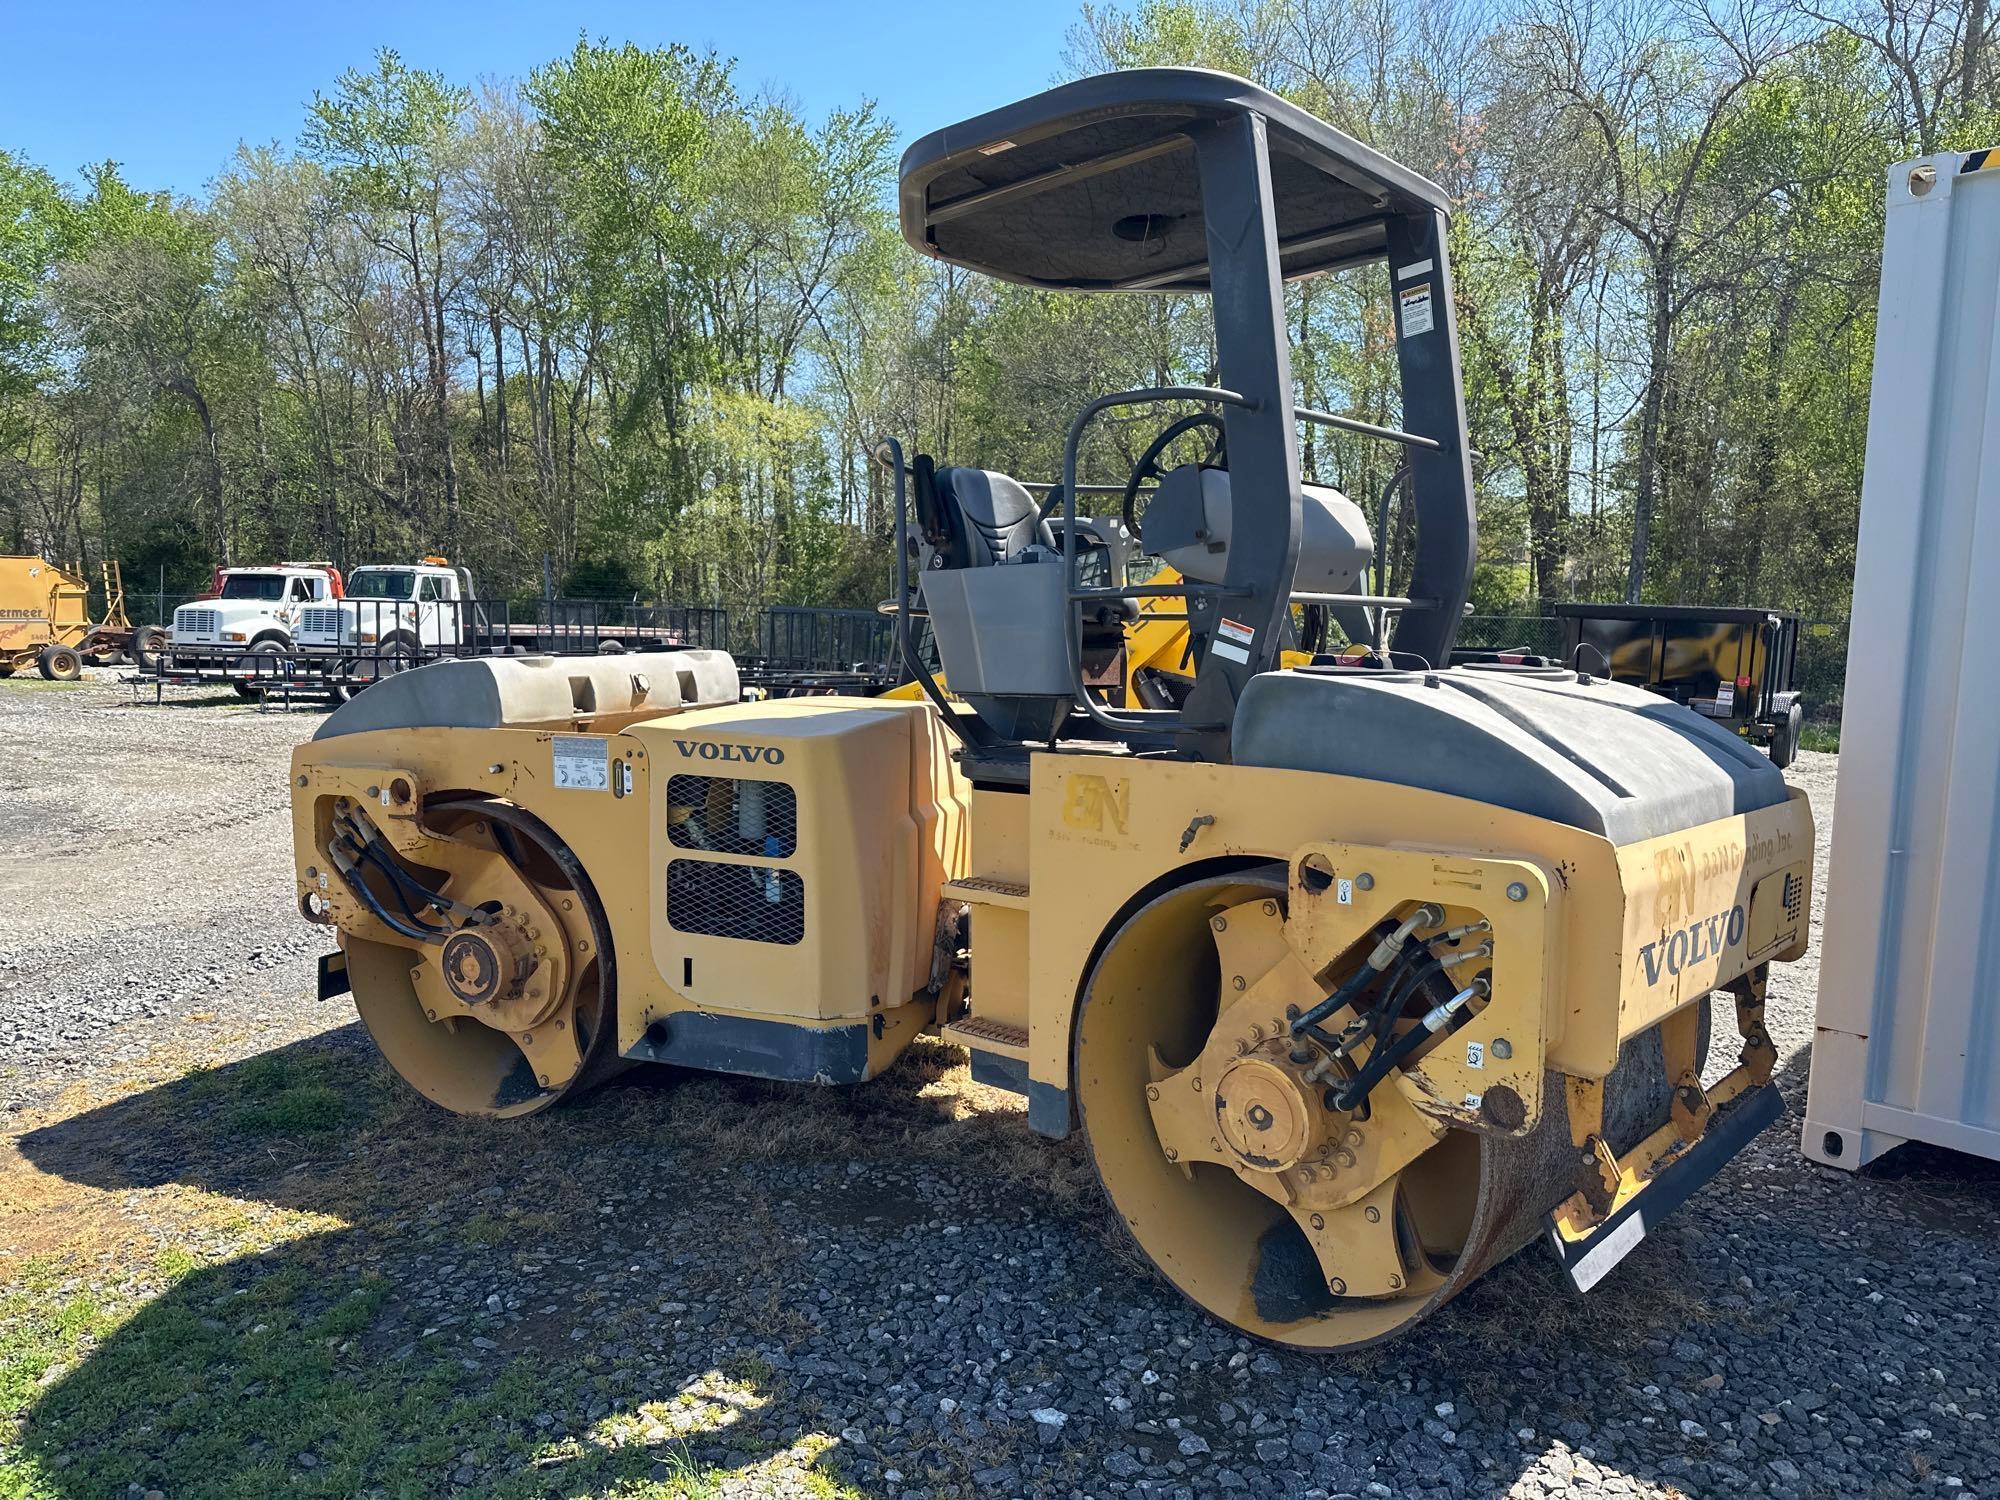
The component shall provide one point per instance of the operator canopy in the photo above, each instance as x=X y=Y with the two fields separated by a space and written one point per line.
x=1093 y=186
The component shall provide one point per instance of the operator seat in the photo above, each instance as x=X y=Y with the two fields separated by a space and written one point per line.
x=992 y=582
x=976 y=517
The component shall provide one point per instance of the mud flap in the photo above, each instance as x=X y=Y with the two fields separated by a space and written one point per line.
x=1590 y=1259
x=333 y=978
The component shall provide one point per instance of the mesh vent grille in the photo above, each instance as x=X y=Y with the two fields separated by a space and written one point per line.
x=752 y=902
x=728 y=816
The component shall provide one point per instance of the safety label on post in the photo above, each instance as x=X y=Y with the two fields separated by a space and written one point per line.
x=1232 y=639
x=1416 y=304
x=582 y=762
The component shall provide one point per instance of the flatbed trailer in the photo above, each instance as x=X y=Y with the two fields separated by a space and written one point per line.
x=807 y=651
x=1733 y=665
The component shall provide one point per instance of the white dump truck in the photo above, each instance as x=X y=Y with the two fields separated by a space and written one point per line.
x=250 y=623
x=394 y=615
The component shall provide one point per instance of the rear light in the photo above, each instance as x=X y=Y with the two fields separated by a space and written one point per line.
x=1743 y=684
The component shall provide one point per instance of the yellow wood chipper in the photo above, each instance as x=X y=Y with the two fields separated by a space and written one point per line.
x=1353 y=976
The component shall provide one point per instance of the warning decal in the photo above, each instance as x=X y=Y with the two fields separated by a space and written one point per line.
x=582 y=762
x=1416 y=305
x=1232 y=640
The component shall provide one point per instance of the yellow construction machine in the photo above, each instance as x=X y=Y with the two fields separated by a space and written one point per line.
x=45 y=620
x=1352 y=978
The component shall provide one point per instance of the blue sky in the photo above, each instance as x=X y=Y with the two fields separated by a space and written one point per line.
x=169 y=88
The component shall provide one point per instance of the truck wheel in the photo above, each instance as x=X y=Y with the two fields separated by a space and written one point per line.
x=1785 y=738
x=399 y=653
x=265 y=661
x=148 y=641
x=60 y=663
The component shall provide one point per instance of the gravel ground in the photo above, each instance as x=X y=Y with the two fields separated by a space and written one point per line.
x=891 y=1290
x=140 y=847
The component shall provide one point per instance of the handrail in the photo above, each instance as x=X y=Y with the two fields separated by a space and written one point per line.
x=1366 y=429
x=1367 y=601
x=889 y=453
x=1073 y=594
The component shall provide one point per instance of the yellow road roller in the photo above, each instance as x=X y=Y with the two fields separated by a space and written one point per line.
x=1354 y=975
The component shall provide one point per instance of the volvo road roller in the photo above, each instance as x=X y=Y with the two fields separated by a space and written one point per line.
x=1354 y=976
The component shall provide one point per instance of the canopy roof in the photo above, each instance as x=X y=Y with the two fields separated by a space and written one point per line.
x=1093 y=186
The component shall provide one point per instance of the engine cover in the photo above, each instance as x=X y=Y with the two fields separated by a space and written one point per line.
x=1610 y=759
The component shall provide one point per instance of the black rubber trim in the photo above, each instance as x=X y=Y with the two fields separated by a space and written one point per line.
x=995 y=1071
x=777 y=1050
x=1587 y=1261
x=333 y=980
x=1050 y=1112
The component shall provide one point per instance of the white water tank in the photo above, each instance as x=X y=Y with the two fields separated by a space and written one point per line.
x=1907 y=1046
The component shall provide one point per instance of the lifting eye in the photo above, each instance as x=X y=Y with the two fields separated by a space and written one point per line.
x=1139 y=228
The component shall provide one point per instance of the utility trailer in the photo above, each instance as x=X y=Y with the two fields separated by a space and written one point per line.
x=1907 y=1046
x=394 y=618
x=808 y=651
x=1734 y=666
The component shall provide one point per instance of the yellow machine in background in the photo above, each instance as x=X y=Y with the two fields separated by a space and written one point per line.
x=45 y=620
x=1353 y=980
x=1157 y=665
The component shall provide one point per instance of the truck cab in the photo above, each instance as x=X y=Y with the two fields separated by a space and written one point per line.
x=253 y=617
x=410 y=611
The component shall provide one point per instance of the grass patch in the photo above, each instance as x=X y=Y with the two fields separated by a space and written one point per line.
x=246 y=1379
x=32 y=681
x=485 y=1231
x=285 y=1095
x=236 y=1293
x=1822 y=737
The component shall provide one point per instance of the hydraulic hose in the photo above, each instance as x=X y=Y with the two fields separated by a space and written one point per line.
x=1357 y=1089
x=1384 y=1015
x=349 y=872
x=407 y=885
x=399 y=885
x=1386 y=952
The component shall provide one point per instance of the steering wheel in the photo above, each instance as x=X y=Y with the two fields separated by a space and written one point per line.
x=1148 y=466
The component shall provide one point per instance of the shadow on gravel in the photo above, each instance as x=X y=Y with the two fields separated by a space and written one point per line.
x=557 y=1306
x=686 y=1280
x=298 y=1371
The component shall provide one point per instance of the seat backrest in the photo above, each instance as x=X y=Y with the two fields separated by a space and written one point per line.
x=989 y=518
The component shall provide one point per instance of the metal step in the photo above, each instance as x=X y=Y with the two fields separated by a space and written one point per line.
x=988 y=890
x=984 y=1034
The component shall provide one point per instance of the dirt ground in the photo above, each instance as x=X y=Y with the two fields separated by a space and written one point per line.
x=237 y=1257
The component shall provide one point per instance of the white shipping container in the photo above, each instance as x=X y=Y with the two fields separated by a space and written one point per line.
x=1908 y=1040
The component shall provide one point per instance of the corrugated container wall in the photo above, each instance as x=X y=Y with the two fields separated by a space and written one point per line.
x=1908 y=1040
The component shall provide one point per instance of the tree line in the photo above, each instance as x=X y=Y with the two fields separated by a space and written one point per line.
x=621 y=327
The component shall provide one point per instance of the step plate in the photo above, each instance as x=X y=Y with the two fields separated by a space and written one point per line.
x=983 y=1031
x=988 y=888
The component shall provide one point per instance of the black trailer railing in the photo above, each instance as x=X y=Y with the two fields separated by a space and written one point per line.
x=341 y=646
x=803 y=638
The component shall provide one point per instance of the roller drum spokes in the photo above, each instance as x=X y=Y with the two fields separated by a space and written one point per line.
x=495 y=995
x=1221 y=1145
